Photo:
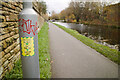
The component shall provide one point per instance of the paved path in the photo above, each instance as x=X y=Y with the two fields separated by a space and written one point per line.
x=72 y=59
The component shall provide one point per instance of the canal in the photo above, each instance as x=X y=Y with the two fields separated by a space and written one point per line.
x=99 y=33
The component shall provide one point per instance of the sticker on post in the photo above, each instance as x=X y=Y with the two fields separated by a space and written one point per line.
x=27 y=44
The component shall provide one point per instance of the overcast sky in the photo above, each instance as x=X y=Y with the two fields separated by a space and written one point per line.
x=59 y=5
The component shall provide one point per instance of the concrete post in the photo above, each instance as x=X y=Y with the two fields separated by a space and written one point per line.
x=28 y=35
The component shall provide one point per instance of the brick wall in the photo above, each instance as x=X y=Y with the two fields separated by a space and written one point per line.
x=9 y=37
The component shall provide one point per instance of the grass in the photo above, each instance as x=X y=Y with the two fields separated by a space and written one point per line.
x=16 y=72
x=112 y=54
x=44 y=57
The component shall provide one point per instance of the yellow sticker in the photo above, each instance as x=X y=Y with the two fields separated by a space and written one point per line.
x=27 y=44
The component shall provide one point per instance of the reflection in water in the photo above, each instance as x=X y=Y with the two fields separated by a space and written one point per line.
x=107 y=34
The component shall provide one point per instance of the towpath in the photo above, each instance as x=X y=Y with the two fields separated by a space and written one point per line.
x=73 y=59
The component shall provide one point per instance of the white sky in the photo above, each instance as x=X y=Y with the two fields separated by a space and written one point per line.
x=59 y=5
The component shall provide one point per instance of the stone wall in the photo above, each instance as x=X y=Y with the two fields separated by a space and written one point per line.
x=40 y=15
x=9 y=37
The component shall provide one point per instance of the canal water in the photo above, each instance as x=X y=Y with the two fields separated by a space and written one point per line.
x=98 y=33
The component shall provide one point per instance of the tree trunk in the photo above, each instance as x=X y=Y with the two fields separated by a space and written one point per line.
x=77 y=19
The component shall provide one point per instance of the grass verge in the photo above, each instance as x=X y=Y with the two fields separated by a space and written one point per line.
x=112 y=54
x=44 y=57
